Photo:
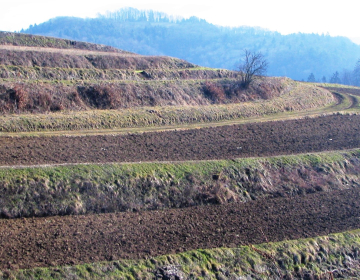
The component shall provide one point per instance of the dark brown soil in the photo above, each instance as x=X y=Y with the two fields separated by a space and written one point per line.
x=53 y=241
x=334 y=132
x=345 y=90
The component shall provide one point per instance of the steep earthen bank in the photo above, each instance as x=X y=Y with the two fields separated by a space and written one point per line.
x=71 y=75
x=86 y=189
x=40 y=97
x=28 y=40
x=33 y=58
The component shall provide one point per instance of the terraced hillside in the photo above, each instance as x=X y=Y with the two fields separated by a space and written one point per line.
x=120 y=166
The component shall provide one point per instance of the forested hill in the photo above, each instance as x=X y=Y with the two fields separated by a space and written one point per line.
x=202 y=43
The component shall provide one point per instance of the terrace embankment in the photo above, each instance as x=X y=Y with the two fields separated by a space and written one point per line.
x=88 y=60
x=20 y=40
x=86 y=189
x=70 y=75
x=49 y=96
x=263 y=101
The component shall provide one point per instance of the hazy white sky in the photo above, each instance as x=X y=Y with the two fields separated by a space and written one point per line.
x=286 y=16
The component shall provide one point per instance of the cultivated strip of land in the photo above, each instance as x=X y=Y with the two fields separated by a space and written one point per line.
x=326 y=133
x=334 y=255
x=56 y=241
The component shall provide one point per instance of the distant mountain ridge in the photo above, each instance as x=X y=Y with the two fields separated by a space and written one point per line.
x=195 y=40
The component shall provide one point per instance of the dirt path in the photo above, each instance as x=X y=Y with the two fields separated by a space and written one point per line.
x=355 y=102
x=351 y=94
x=54 y=241
x=336 y=132
x=345 y=90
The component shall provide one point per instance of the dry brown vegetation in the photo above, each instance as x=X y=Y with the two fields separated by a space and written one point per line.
x=58 y=59
x=20 y=97
x=76 y=75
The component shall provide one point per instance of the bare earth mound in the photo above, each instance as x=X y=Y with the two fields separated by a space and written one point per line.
x=248 y=140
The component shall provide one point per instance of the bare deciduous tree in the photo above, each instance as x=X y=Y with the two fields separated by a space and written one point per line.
x=253 y=64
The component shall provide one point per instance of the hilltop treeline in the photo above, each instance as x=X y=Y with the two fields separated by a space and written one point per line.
x=346 y=77
x=295 y=55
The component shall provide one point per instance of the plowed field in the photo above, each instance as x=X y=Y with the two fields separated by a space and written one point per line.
x=334 y=132
x=344 y=90
x=52 y=241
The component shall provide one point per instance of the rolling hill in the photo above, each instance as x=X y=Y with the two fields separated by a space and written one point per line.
x=195 y=40
x=117 y=165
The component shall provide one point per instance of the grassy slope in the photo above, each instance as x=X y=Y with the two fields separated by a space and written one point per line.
x=79 y=189
x=299 y=259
